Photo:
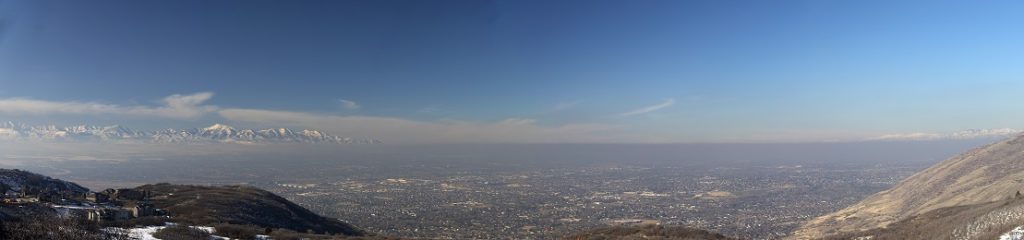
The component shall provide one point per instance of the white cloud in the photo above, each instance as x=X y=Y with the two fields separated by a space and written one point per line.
x=513 y=130
x=349 y=104
x=175 y=106
x=667 y=103
x=187 y=101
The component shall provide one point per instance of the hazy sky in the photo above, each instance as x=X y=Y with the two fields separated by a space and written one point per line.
x=520 y=71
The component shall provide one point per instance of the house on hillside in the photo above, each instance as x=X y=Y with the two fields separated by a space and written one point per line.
x=96 y=197
x=126 y=194
x=141 y=209
x=10 y=196
x=109 y=214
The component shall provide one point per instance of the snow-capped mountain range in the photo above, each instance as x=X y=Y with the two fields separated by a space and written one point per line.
x=217 y=133
x=961 y=135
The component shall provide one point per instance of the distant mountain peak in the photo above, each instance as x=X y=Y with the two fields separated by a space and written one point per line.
x=216 y=133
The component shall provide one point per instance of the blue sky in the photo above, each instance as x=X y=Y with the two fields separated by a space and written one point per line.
x=520 y=71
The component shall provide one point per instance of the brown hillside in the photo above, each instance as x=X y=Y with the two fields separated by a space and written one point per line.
x=987 y=174
x=649 y=231
x=202 y=205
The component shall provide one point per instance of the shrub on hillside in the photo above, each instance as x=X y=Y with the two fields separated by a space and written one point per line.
x=237 y=231
x=181 y=232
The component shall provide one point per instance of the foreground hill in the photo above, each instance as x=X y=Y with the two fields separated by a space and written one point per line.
x=973 y=180
x=976 y=221
x=34 y=206
x=649 y=231
x=23 y=181
x=207 y=206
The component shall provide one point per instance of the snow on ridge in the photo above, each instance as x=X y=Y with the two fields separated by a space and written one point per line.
x=1015 y=234
x=146 y=232
x=217 y=133
x=960 y=135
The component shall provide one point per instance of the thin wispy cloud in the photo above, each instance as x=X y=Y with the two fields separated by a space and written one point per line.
x=566 y=105
x=175 y=106
x=667 y=103
x=561 y=107
x=349 y=104
x=429 y=109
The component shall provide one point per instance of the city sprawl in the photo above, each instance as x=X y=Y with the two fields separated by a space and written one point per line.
x=541 y=192
x=755 y=202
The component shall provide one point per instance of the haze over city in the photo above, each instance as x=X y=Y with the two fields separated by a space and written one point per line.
x=493 y=119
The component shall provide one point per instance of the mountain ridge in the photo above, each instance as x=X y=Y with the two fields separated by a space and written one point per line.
x=986 y=174
x=958 y=135
x=976 y=221
x=216 y=133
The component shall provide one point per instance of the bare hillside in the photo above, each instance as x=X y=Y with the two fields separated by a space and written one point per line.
x=987 y=174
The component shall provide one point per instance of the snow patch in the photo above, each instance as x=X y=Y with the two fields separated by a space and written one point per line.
x=146 y=233
x=1015 y=234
